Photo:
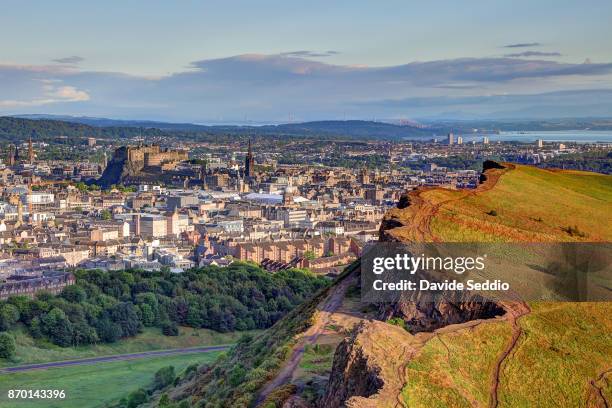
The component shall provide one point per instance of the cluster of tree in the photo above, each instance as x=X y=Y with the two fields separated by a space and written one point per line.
x=18 y=129
x=105 y=306
x=599 y=161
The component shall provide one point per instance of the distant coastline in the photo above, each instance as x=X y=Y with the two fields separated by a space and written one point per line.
x=579 y=136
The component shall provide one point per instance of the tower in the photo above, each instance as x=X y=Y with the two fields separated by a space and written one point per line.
x=451 y=139
x=30 y=151
x=249 y=162
x=19 y=213
x=11 y=156
x=364 y=176
x=288 y=194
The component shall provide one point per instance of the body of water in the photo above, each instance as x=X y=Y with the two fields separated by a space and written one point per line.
x=580 y=136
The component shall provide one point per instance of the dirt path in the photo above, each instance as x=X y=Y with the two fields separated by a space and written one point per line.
x=422 y=211
x=514 y=312
x=598 y=388
x=325 y=310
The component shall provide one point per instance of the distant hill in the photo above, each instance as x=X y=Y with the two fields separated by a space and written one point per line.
x=358 y=129
x=18 y=129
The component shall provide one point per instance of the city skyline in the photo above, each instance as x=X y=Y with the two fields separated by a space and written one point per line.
x=208 y=63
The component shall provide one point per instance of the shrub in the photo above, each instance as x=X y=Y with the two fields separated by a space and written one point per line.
x=136 y=398
x=170 y=329
x=9 y=315
x=163 y=377
x=397 y=321
x=7 y=345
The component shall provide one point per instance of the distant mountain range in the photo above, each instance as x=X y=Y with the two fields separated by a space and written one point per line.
x=42 y=126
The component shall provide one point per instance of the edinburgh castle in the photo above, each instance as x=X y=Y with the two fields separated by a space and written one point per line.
x=131 y=164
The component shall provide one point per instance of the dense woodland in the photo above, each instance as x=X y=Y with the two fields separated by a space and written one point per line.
x=105 y=306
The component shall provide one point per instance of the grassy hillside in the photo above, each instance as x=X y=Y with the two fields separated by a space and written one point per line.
x=561 y=357
x=522 y=204
x=553 y=354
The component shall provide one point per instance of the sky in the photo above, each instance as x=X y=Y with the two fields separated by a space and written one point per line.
x=279 y=61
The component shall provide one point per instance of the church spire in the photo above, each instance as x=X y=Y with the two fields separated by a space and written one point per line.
x=30 y=151
x=249 y=162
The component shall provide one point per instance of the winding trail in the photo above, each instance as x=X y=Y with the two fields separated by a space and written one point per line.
x=514 y=312
x=599 y=389
x=422 y=211
x=330 y=305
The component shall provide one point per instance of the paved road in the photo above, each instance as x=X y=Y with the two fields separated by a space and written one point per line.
x=116 y=357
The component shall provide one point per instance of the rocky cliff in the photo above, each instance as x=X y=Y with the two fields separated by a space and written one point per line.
x=368 y=366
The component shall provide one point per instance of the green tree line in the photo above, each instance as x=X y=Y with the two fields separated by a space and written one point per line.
x=106 y=306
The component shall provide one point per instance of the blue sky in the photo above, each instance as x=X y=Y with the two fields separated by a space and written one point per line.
x=271 y=60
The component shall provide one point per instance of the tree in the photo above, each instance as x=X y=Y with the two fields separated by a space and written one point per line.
x=137 y=398
x=164 y=401
x=7 y=345
x=84 y=334
x=105 y=215
x=108 y=331
x=163 y=377
x=82 y=187
x=146 y=314
x=74 y=294
x=170 y=329
x=310 y=255
x=9 y=315
x=57 y=326
x=125 y=315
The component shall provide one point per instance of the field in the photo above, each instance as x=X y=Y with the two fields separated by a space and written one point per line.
x=31 y=351
x=92 y=385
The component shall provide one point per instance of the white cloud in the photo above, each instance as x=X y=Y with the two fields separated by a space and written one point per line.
x=70 y=94
x=271 y=87
x=51 y=93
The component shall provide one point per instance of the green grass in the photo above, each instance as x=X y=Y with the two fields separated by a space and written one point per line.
x=563 y=347
x=532 y=205
x=453 y=370
x=30 y=351
x=94 y=385
x=318 y=359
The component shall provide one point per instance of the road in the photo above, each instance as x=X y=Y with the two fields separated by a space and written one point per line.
x=115 y=357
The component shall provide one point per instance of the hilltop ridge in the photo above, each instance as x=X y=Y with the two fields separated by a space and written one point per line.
x=361 y=355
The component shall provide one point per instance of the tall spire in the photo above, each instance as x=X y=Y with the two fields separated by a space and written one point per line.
x=30 y=151
x=249 y=162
